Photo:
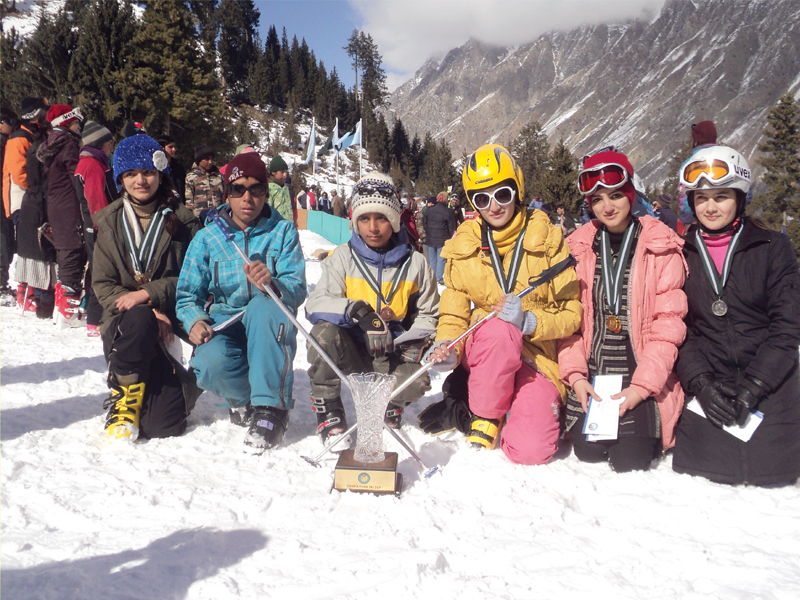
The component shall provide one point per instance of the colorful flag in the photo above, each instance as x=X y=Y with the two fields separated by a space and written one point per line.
x=333 y=140
x=312 y=142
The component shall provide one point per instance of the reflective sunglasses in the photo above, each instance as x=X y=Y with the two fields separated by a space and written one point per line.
x=714 y=170
x=611 y=176
x=503 y=195
x=374 y=189
x=256 y=190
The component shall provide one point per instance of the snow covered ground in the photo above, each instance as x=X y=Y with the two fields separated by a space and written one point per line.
x=196 y=517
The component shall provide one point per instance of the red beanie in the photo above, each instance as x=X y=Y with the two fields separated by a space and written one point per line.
x=248 y=164
x=617 y=158
x=704 y=132
x=56 y=115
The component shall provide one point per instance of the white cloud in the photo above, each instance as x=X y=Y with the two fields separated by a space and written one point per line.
x=408 y=32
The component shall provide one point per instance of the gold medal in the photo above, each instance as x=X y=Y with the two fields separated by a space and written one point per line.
x=141 y=278
x=387 y=314
x=614 y=324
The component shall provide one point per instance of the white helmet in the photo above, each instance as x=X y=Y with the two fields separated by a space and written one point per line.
x=716 y=167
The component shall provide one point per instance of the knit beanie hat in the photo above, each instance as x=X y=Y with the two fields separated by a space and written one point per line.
x=248 y=164
x=441 y=197
x=32 y=109
x=664 y=199
x=375 y=193
x=244 y=149
x=617 y=158
x=165 y=140
x=139 y=152
x=278 y=164
x=95 y=135
x=8 y=115
x=63 y=115
x=202 y=152
x=704 y=132
x=133 y=128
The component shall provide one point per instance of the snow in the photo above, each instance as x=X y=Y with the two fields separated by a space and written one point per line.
x=195 y=517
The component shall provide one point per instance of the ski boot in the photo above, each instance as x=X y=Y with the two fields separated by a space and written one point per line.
x=331 y=422
x=394 y=416
x=240 y=415
x=124 y=407
x=266 y=429
x=67 y=308
x=484 y=433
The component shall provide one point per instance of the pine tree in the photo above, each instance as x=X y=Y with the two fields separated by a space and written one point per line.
x=13 y=89
x=558 y=181
x=173 y=87
x=781 y=200
x=238 y=45
x=531 y=150
x=204 y=13
x=102 y=53
x=437 y=172
x=44 y=60
x=399 y=147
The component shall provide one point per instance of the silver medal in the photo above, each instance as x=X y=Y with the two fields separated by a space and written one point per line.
x=719 y=308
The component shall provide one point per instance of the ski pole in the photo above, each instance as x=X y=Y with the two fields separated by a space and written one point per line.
x=544 y=277
x=214 y=216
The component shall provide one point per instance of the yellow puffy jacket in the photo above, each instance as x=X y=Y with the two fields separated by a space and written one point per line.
x=472 y=289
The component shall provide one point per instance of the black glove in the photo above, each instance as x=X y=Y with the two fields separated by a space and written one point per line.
x=379 y=339
x=717 y=400
x=749 y=393
x=453 y=411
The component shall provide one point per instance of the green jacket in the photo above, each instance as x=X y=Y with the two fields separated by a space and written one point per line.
x=281 y=200
x=112 y=273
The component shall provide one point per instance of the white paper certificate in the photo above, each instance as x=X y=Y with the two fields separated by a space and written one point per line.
x=602 y=419
x=744 y=432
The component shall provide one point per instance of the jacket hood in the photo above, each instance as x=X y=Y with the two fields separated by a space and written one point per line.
x=657 y=237
x=390 y=257
x=57 y=139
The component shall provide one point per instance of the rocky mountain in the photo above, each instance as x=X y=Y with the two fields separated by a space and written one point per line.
x=638 y=85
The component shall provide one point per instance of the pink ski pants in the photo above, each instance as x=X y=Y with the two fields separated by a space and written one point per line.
x=500 y=383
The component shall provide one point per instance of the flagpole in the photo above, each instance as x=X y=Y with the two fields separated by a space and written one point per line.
x=360 y=148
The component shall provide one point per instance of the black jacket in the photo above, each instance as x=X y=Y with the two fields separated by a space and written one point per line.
x=33 y=213
x=758 y=337
x=439 y=223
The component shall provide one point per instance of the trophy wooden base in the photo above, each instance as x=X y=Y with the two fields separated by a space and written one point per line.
x=374 y=478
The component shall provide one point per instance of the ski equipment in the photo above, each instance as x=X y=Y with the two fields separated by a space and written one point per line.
x=716 y=167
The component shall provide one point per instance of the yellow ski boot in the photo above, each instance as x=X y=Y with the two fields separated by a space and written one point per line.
x=124 y=407
x=484 y=433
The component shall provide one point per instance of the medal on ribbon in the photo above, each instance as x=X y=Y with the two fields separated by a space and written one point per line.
x=614 y=273
x=719 y=307
x=507 y=281
x=386 y=313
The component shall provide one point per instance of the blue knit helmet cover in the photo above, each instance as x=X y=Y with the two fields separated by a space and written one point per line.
x=139 y=152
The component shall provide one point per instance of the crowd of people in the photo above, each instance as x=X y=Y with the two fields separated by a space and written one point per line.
x=701 y=329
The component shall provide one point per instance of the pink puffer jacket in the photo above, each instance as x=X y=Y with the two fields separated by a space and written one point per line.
x=657 y=308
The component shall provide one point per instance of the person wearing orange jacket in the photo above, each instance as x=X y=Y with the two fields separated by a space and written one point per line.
x=15 y=174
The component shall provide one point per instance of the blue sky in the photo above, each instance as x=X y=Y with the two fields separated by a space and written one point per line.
x=408 y=32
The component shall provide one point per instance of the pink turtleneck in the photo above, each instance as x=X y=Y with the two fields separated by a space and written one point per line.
x=718 y=247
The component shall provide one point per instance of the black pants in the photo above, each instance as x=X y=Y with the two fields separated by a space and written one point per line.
x=131 y=346
x=7 y=246
x=94 y=310
x=623 y=454
x=71 y=266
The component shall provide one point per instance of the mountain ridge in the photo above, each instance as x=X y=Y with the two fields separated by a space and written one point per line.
x=638 y=85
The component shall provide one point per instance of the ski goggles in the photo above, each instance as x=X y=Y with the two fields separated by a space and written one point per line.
x=611 y=176
x=714 y=170
x=257 y=190
x=368 y=188
x=503 y=195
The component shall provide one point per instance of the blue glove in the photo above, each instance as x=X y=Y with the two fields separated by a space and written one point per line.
x=512 y=312
x=447 y=364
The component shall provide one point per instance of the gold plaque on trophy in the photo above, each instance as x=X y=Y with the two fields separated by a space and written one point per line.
x=375 y=478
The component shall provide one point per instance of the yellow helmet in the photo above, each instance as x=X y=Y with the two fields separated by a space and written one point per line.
x=489 y=165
